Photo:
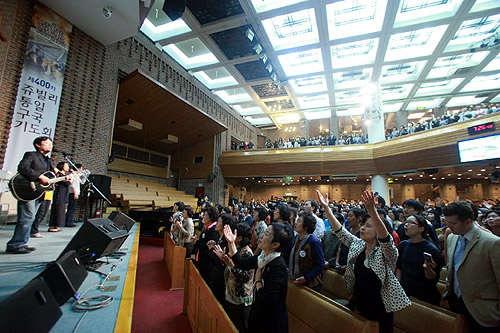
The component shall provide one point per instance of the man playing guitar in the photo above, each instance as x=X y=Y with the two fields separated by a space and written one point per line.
x=32 y=167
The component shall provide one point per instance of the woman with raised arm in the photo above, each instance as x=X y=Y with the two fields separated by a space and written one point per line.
x=268 y=310
x=371 y=261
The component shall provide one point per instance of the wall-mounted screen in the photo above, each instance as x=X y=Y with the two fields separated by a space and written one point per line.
x=484 y=148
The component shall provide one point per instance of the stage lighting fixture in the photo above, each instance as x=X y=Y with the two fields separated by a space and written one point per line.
x=257 y=48
x=269 y=68
x=250 y=34
x=263 y=57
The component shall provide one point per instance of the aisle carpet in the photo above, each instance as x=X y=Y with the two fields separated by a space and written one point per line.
x=156 y=309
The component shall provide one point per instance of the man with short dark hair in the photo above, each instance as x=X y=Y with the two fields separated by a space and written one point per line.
x=473 y=284
x=311 y=207
x=33 y=166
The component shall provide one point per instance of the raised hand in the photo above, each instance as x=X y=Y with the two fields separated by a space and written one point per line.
x=210 y=244
x=220 y=253
x=230 y=237
x=369 y=200
x=321 y=199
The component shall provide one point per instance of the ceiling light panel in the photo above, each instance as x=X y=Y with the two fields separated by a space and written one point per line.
x=481 y=5
x=393 y=107
x=394 y=92
x=437 y=87
x=496 y=99
x=287 y=118
x=292 y=30
x=259 y=120
x=216 y=78
x=310 y=102
x=191 y=53
x=417 y=43
x=419 y=11
x=262 y=6
x=448 y=66
x=472 y=32
x=408 y=71
x=352 y=79
x=354 y=54
x=237 y=95
x=352 y=17
x=247 y=109
x=351 y=112
x=424 y=104
x=348 y=97
x=312 y=115
x=304 y=62
x=416 y=115
x=464 y=100
x=312 y=84
x=483 y=82
x=163 y=31
x=494 y=64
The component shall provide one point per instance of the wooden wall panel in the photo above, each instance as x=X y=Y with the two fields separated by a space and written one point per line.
x=185 y=159
x=138 y=168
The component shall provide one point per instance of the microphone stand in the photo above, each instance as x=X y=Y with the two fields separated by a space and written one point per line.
x=91 y=187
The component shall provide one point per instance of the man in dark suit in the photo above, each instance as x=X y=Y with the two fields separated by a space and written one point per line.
x=473 y=284
x=32 y=167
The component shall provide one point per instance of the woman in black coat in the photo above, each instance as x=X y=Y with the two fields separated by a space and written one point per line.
x=203 y=261
x=268 y=312
x=60 y=199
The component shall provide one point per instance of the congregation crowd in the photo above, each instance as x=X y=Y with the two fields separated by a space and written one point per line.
x=360 y=138
x=247 y=253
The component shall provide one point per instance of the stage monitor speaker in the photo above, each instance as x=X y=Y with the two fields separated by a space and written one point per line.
x=33 y=308
x=174 y=8
x=64 y=276
x=103 y=184
x=122 y=220
x=96 y=238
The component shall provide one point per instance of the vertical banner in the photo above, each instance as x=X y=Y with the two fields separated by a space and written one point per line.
x=39 y=91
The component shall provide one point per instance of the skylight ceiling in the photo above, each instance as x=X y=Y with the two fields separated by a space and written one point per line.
x=316 y=56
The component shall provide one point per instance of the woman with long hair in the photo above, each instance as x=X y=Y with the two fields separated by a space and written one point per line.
x=60 y=199
x=371 y=261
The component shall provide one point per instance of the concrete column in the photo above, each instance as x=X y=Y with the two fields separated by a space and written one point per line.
x=375 y=128
x=448 y=192
x=304 y=128
x=440 y=111
x=408 y=192
x=334 y=124
x=401 y=118
x=380 y=185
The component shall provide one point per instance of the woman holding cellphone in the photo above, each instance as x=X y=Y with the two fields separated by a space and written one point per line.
x=376 y=293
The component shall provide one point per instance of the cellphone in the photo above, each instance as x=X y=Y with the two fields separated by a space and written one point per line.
x=427 y=257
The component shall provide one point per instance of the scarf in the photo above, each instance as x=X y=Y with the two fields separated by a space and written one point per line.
x=263 y=260
x=294 y=274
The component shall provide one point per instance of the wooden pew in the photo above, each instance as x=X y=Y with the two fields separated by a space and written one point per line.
x=437 y=319
x=204 y=312
x=174 y=258
x=309 y=311
x=424 y=317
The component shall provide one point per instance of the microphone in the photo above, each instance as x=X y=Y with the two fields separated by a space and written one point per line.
x=62 y=152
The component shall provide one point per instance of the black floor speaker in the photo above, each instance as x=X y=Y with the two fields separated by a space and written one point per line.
x=122 y=220
x=64 y=276
x=33 y=308
x=96 y=238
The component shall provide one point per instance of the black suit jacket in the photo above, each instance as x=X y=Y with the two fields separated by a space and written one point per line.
x=268 y=312
x=33 y=165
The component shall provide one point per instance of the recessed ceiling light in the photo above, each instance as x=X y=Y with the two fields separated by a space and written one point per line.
x=396 y=179
x=483 y=170
x=468 y=177
x=485 y=177
x=315 y=180
x=497 y=167
x=430 y=175
x=433 y=178
x=246 y=178
x=442 y=177
x=459 y=174
x=479 y=174
x=459 y=178
x=449 y=174
x=411 y=178
x=404 y=176
x=421 y=176
x=470 y=170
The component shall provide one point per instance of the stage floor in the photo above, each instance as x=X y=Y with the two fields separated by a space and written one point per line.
x=18 y=269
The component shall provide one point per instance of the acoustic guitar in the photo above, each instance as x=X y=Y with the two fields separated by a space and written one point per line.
x=25 y=190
